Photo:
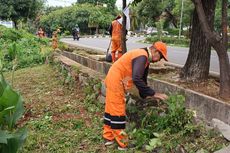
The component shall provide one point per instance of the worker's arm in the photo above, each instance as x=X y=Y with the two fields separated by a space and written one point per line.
x=110 y=29
x=138 y=76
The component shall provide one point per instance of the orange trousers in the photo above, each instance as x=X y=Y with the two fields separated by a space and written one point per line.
x=116 y=46
x=54 y=44
x=115 y=115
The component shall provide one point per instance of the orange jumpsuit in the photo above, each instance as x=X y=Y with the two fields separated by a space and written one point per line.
x=116 y=39
x=118 y=80
x=54 y=41
x=41 y=33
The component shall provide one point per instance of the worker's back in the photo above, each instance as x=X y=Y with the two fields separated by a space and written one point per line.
x=117 y=30
x=122 y=68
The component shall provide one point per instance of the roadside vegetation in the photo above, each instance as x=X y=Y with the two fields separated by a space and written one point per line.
x=44 y=109
x=19 y=49
x=63 y=117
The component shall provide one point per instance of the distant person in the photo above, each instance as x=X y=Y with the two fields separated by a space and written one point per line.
x=40 y=33
x=115 y=31
x=75 y=32
x=55 y=39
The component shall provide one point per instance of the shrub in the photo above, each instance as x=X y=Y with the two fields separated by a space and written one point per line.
x=170 y=40
x=174 y=32
x=23 y=48
x=11 y=109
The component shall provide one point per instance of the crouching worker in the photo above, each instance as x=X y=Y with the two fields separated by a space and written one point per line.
x=131 y=68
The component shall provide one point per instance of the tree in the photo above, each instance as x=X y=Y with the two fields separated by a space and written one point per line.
x=197 y=64
x=149 y=12
x=187 y=12
x=133 y=19
x=16 y=10
x=123 y=37
x=219 y=43
x=82 y=14
x=110 y=3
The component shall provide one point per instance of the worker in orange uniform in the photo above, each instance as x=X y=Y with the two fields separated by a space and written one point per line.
x=115 y=31
x=55 y=40
x=40 y=33
x=131 y=68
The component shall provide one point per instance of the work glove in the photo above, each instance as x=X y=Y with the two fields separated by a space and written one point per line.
x=133 y=92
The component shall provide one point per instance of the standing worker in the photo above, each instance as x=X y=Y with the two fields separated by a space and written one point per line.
x=40 y=33
x=131 y=68
x=55 y=39
x=115 y=31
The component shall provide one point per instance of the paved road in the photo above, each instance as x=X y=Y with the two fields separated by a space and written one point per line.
x=177 y=55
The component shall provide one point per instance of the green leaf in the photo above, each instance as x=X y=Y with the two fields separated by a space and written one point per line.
x=156 y=135
x=149 y=148
x=11 y=98
x=5 y=112
x=3 y=84
x=153 y=142
x=4 y=135
x=15 y=141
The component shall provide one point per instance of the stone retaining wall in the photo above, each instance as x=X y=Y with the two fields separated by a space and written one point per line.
x=206 y=107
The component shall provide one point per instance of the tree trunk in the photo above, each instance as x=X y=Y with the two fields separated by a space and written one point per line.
x=225 y=23
x=15 y=24
x=219 y=45
x=224 y=74
x=97 y=30
x=123 y=38
x=197 y=64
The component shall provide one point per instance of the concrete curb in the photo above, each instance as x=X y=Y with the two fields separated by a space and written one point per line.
x=206 y=107
x=82 y=75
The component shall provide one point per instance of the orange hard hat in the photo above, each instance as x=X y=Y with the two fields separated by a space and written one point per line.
x=161 y=47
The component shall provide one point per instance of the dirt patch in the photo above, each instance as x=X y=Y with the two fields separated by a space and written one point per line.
x=209 y=87
x=55 y=114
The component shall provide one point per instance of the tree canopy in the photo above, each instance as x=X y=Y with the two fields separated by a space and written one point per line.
x=110 y=3
x=19 y=9
x=85 y=15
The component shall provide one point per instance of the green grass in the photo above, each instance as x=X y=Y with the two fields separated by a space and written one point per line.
x=55 y=115
x=61 y=118
x=58 y=117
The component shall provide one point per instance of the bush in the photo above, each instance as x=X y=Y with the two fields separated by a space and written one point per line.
x=11 y=110
x=66 y=33
x=22 y=49
x=174 y=32
x=165 y=126
x=170 y=40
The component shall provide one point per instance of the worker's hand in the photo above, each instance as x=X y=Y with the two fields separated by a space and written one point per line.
x=160 y=96
x=133 y=91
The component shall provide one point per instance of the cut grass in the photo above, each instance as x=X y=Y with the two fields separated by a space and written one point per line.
x=55 y=115
x=62 y=119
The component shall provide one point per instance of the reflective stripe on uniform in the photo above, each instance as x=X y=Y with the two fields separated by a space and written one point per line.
x=116 y=122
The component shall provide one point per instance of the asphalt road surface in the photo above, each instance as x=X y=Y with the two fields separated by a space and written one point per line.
x=176 y=55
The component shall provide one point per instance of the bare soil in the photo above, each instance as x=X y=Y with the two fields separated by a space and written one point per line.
x=209 y=87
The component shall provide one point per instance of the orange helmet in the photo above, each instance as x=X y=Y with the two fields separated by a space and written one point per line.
x=161 y=47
